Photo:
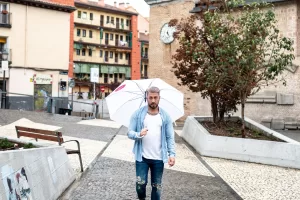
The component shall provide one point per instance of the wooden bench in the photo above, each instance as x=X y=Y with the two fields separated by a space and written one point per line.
x=55 y=136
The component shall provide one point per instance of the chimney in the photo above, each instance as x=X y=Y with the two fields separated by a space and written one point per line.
x=122 y=6
x=101 y=3
x=115 y=4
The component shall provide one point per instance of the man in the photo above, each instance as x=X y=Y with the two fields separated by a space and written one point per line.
x=152 y=129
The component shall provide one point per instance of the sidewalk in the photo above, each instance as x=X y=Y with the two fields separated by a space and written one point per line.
x=110 y=174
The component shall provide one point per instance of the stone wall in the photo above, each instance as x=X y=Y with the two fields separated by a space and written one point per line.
x=160 y=57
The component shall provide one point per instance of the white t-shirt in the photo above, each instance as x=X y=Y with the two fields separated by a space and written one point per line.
x=152 y=140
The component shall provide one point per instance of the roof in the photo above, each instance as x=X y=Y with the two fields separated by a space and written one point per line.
x=46 y=4
x=102 y=7
x=144 y=37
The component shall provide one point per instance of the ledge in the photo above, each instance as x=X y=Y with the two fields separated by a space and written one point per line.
x=285 y=154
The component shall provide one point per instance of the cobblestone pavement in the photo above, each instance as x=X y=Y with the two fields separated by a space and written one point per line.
x=255 y=181
x=113 y=176
x=110 y=172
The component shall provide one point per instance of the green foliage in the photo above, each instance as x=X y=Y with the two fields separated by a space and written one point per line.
x=5 y=144
x=236 y=49
x=29 y=146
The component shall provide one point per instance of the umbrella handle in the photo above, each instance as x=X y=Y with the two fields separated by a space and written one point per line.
x=145 y=96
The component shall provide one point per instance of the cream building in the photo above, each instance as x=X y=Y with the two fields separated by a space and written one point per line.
x=274 y=101
x=105 y=37
x=37 y=39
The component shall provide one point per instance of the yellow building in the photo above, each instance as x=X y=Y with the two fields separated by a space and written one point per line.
x=104 y=38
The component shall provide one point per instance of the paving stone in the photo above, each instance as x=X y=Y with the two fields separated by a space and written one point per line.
x=256 y=181
x=115 y=179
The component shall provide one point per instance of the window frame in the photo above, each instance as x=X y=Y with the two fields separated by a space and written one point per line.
x=83 y=33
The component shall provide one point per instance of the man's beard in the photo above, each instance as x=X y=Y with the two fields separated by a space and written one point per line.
x=153 y=105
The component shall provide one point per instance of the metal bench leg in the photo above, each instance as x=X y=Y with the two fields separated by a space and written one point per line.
x=80 y=160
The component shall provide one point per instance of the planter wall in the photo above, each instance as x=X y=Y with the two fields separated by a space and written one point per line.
x=285 y=154
x=41 y=173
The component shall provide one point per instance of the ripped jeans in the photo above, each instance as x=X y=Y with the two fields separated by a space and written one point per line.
x=156 y=169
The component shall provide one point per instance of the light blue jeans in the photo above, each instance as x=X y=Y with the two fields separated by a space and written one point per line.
x=156 y=169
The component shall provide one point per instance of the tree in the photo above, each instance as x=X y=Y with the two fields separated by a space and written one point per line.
x=230 y=53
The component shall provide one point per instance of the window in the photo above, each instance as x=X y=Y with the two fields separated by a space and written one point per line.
x=91 y=16
x=78 y=52
x=127 y=22
x=110 y=75
x=112 y=20
x=84 y=33
x=101 y=53
x=122 y=21
x=90 y=52
x=120 y=75
x=111 y=36
x=79 y=14
x=100 y=75
x=127 y=56
x=84 y=15
x=105 y=78
x=83 y=52
x=78 y=32
x=121 y=55
x=91 y=34
x=121 y=37
x=111 y=54
x=127 y=38
x=107 y=19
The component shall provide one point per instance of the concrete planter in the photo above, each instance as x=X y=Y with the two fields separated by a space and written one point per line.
x=285 y=154
x=42 y=173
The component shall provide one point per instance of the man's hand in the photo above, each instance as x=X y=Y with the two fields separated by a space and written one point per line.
x=143 y=132
x=171 y=161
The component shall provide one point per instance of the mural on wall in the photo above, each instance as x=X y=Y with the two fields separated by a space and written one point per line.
x=42 y=94
x=15 y=184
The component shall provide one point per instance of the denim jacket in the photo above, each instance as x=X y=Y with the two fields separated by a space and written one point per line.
x=167 y=134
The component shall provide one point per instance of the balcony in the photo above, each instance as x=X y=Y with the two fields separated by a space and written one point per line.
x=145 y=57
x=5 y=19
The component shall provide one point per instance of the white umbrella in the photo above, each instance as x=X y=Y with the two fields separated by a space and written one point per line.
x=131 y=94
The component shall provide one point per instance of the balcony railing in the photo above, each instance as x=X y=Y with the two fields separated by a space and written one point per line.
x=122 y=44
x=5 y=19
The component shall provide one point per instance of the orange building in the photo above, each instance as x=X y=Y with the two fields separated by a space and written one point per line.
x=105 y=37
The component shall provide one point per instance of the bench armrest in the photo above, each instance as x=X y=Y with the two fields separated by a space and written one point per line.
x=78 y=145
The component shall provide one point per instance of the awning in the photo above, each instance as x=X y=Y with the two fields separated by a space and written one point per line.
x=77 y=46
x=2 y=40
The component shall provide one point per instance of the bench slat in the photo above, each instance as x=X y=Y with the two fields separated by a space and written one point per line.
x=33 y=130
x=43 y=137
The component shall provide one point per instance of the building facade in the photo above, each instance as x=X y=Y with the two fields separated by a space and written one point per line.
x=36 y=36
x=105 y=37
x=143 y=30
x=276 y=101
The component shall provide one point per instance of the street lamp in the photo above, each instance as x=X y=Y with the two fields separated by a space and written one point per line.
x=4 y=58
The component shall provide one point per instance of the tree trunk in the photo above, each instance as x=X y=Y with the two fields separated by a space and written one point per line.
x=222 y=112
x=214 y=107
x=243 y=100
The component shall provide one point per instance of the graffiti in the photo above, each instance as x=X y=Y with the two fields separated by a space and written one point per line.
x=16 y=184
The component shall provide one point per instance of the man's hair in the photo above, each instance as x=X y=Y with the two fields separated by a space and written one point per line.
x=153 y=89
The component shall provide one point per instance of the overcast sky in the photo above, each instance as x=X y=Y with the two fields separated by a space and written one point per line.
x=140 y=5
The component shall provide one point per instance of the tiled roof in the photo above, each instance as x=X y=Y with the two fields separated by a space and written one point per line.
x=47 y=4
x=99 y=5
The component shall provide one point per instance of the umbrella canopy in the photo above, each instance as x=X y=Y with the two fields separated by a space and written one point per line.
x=131 y=95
